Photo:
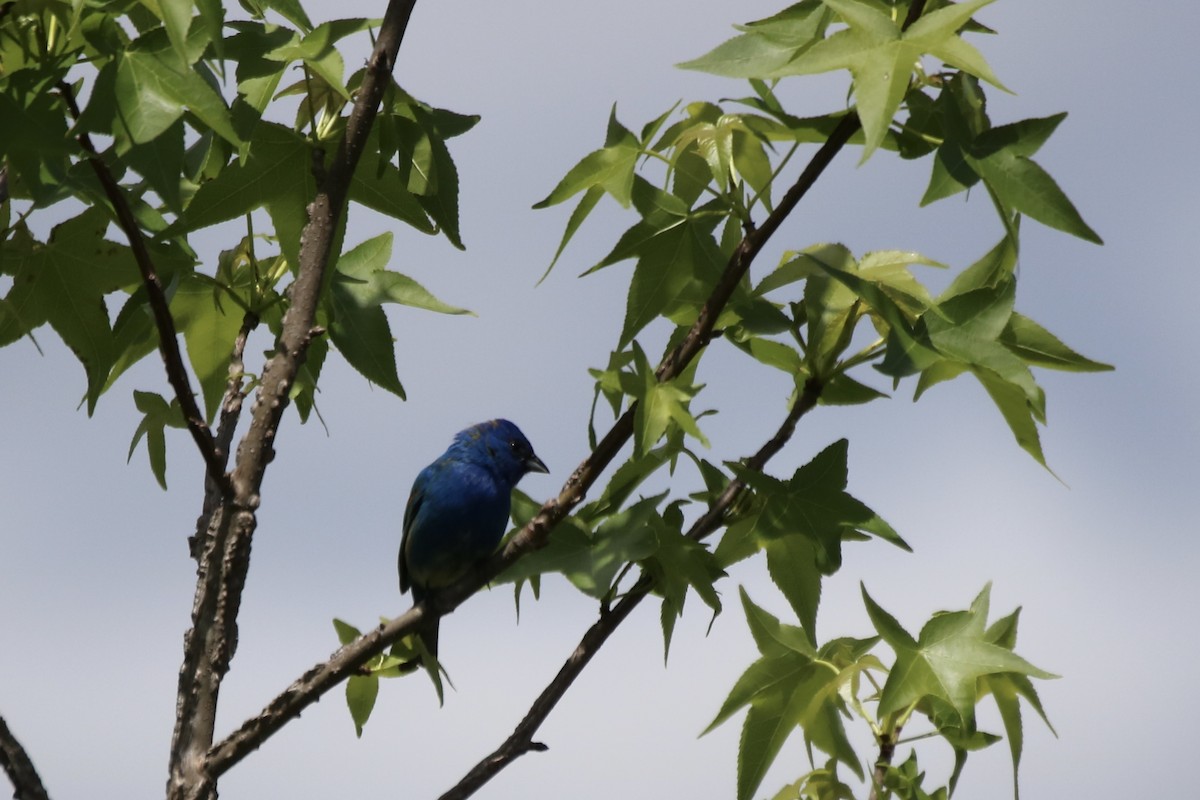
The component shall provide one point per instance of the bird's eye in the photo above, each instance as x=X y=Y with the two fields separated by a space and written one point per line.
x=513 y=444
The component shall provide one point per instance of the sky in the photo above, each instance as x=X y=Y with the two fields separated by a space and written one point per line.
x=96 y=583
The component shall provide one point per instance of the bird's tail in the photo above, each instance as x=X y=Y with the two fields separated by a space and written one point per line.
x=427 y=634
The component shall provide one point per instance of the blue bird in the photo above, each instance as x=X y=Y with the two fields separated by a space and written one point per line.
x=459 y=508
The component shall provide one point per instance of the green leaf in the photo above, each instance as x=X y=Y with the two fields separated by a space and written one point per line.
x=908 y=350
x=437 y=188
x=609 y=168
x=764 y=675
x=771 y=636
x=996 y=266
x=158 y=416
x=772 y=353
x=768 y=45
x=586 y=203
x=386 y=190
x=346 y=632
x=676 y=268
x=358 y=325
x=209 y=322
x=392 y=287
x=160 y=162
x=1036 y=345
x=785 y=691
x=1007 y=689
x=276 y=173
x=966 y=331
x=257 y=76
x=678 y=564
x=842 y=390
x=1026 y=187
x=1001 y=156
x=155 y=85
x=1014 y=406
x=792 y=562
x=318 y=52
x=625 y=481
x=660 y=404
x=881 y=57
x=802 y=523
x=64 y=282
x=292 y=11
x=819 y=784
x=592 y=560
x=177 y=17
x=1023 y=138
x=361 y=691
x=946 y=661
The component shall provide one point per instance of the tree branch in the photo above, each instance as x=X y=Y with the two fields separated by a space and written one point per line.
x=231 y=412
x=307 y=689
x=322 y=677
x=168 y=337
x=521 y=740
x=225 y=551
x=27 y=785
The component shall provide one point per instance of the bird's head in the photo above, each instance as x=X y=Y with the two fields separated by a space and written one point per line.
x=501 y=445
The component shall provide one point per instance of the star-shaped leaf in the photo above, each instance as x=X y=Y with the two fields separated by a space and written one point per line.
x=802 y=522
x=276 y=173
x=882 y=57
x=945 y=661
x=678 y=564
x=660 y=403
x=155 y=85
x=678 y=260
x=610 y=168
x=1007 y=689
x=64 y=282
x=973 y=150
x=358 y=324
x=158 y=415
x=785 y=689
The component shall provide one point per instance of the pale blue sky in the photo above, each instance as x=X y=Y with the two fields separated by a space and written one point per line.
x=96 y=585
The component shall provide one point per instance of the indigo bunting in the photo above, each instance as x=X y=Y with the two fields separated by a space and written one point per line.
x=459 y=508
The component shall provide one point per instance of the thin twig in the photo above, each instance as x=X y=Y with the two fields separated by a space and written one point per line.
x=27 y=784
x=231 y=411
x=887 y=749
x=168 y=339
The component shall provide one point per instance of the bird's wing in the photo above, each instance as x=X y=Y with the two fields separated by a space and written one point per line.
x=410 y=513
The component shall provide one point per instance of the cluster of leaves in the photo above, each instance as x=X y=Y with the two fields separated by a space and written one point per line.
x=195 y=131
x=956 y=661
x=700 y=180
x=187 y=111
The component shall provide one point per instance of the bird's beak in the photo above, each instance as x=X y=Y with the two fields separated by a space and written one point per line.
x=534 y=464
